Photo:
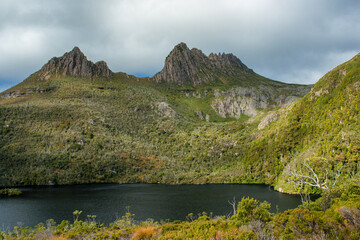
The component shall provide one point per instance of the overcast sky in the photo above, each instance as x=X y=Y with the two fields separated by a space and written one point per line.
x=294 y=41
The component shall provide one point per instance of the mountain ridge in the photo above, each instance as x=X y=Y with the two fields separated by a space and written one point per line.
x=240 y=128
x=75 y=63
x=182 y=66
x=185 y=66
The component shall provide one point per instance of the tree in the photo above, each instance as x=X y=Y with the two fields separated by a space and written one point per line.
x=312 y=179
x=233 y=204
x=250 y=209
x=320 y=179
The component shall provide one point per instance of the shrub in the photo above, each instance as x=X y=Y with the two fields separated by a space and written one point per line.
x=143 y=233
x=250 y=209
x=10 y=192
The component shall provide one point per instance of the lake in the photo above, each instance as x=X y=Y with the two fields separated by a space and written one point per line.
x=109 y=202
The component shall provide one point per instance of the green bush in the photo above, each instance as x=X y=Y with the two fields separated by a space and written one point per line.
x=10 y=192
x=250 y=209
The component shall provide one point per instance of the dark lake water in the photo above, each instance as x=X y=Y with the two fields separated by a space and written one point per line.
x=109 y=202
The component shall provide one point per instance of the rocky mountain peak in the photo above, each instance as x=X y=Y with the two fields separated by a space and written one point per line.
x=223 y=60
x=76 y=50
x=75 y=63
x=181 y=47
x=185 y=66
x=182 y=66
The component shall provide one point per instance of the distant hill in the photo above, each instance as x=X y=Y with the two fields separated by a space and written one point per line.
x=200 y=119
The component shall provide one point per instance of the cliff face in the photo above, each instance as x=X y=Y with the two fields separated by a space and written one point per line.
x=248 y=93
x=234 y=89
x=56 y=130
x=75 y=63
x=248 y=100
x=185 y=66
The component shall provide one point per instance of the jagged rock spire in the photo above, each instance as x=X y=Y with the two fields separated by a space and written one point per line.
x=183 y=65
x=75 y=63
x=193 y=67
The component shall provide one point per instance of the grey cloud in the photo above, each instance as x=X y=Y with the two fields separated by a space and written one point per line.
x=291 y=41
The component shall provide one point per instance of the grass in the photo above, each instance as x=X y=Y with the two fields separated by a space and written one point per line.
x=107 y=130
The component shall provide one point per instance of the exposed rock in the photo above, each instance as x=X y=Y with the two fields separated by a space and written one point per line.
x=43 y=90
x=199 y=115
x=351 y=214
x=12 y=94
x=271 y=117
x=291 y=99
x=321 y=92
x=240 y=100
x=207 y=118
x=75 y=63
x=183 y=65
x=343 y=72
x=198 y=94
x=247 y=100
x=234 y=107
x=164 y=109
x=223 y=61
x=17 y=93
x=102 y=69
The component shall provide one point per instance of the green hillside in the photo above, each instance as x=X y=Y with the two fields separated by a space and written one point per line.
x=322 y=129
x=224 y=124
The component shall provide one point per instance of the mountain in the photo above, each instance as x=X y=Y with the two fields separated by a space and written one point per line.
x=201 y=119
x=185 y=66
x=75 y=63
x=234 y=89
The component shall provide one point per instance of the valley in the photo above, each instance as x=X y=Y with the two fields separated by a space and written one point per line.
x=202 y=119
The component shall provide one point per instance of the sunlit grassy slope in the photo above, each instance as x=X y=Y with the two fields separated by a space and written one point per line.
x=80 y=130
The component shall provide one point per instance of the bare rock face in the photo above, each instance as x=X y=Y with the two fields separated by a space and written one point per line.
x=248 y=100
x=12 y=94
x=199 y=115
x=237 y=101
x=75 y=63
x=223 y=61
x=235 y=107
x=102 y=69
x=184 y=65
x=194 y=67
x=164 y=109
x=271 y=117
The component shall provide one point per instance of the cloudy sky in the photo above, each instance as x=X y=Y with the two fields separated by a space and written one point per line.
x=294 y=41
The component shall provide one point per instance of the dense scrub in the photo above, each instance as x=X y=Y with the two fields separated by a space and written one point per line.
x=9 y=192
x=110 y=130
x=78 y=130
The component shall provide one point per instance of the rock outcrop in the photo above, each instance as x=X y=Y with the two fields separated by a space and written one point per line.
x=164 y=109
x=12 y=94
x=185 y=66
x=75 y=63
x=271 y=117
x=223 y=61
x=248 y=100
